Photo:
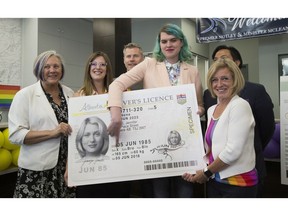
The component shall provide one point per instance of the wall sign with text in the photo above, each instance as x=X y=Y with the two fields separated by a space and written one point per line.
x=222 y=29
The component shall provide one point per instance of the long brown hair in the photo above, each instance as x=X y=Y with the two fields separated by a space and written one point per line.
x=87 y=87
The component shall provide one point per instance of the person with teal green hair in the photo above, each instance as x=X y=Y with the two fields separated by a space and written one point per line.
x=168 y=67
x=184 y=54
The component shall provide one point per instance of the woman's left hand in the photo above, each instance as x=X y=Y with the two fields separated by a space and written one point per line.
x=200 y=111
x=199 y=177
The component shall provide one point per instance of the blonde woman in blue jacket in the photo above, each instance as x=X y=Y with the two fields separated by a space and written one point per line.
x=38 y=121
x=229 y=138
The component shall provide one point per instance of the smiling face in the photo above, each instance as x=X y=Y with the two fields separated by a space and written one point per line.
x=170 y=47
x=222 y=83
x=98 y=68
x=132 y=57
x=52 y=71
x=174 y=139
x=92 y=140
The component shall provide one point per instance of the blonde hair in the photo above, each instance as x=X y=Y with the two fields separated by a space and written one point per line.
x=237 y=76
x=94 y=120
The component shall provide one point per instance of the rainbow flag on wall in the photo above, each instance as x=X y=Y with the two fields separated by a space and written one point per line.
x=7 y=93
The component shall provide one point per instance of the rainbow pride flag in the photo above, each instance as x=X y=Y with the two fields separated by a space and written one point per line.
x=7 y=93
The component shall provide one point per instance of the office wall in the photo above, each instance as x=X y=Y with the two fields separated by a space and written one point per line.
x=27 y=34
x=73 y=39
x=10 y=51
x=189 y=28
x=145 y=30
x=269 y=48
x=29 y=51
x=260 y=54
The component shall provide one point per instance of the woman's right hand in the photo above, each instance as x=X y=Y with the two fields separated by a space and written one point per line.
x=62 y=129
x=116 y=123
x=33 y=137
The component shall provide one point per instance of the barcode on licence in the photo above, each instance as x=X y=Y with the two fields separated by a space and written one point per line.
x=170 y=165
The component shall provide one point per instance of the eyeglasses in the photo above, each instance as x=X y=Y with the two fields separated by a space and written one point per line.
x=95 y=64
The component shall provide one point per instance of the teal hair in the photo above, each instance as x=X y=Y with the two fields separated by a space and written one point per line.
x=172 y=29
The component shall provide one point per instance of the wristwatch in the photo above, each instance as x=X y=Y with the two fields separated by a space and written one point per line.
x=207 y=173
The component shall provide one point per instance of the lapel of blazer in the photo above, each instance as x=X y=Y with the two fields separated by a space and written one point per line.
x=184 y=79
x=43 y=102
x=163 y=74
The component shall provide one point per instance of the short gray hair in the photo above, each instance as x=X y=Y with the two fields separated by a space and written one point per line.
x=41 y=60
